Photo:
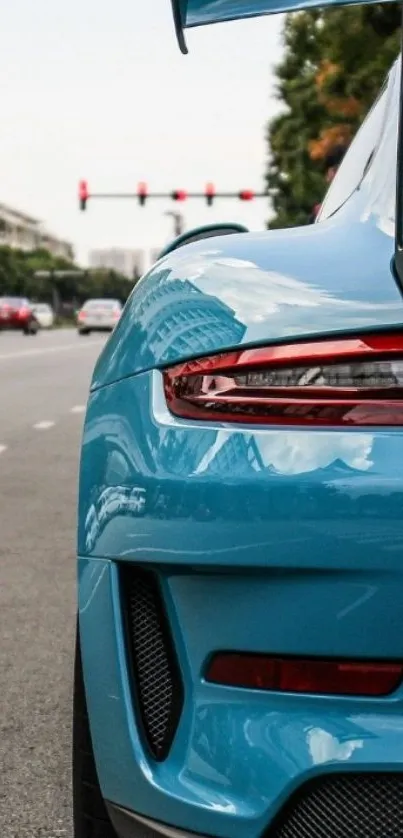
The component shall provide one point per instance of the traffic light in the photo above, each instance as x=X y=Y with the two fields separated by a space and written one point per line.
x=246 y=195
x=83 y=194
x=209 y=192
x=179 y=195
x=142 y=192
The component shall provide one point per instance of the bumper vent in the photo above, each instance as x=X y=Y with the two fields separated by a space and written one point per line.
x=157 y=682
x=348 y=806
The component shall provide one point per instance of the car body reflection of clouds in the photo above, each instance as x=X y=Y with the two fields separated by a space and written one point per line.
x=204 y=298
x=140 y=462
x=324 y=747
x=275 y=741
x=112 y=502
x=381 y=180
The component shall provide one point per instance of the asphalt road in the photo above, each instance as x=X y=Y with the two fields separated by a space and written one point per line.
x=43 y=389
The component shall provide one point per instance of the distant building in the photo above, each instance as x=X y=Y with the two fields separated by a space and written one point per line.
x=24 y=232
x=58 y=247
x=126 y=262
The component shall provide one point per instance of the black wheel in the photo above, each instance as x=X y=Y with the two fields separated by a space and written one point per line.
x=83 y=331
x=90 y=816
x=31 y=329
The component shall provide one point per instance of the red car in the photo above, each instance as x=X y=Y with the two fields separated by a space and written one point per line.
x=17 y=313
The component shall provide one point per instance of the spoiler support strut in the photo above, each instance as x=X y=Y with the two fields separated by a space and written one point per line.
x=180 y=35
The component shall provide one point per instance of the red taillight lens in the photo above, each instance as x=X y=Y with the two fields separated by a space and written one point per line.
x=354 y=381
x=82 y=315
x=296 y=675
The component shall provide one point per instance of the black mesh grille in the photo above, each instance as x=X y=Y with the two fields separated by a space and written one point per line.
x=156 y=676
x=347 y=806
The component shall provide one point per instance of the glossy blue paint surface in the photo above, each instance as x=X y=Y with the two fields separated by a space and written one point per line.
x=271 y=540
x=202 y=12
x=251 y=289
x=237 y=754
x=264 y=540
x=230 y=493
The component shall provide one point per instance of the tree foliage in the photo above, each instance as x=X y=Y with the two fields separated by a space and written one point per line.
x=17 y=277
x=333 y=66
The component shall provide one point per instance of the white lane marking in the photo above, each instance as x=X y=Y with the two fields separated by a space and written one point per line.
x=69 y=347
x=44 y=425
x=3 y=448
x=78 y=408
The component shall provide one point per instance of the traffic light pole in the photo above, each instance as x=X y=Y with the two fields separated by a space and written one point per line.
x=142 y=195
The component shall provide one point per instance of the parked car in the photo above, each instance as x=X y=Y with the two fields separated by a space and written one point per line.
x=98 y=316
x=17 y=313
x=239 y=673
x=44 y=315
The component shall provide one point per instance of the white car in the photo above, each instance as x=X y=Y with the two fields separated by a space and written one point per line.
x=44 y=315
x=98 y=316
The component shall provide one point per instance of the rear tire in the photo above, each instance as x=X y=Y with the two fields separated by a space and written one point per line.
x=90 y=817
x=83 y=332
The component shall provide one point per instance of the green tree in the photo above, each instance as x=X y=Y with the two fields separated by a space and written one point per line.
x=334 y=64
x=293 y=183
x=17 y=277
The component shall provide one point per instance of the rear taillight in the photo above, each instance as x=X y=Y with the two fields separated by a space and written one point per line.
x=351 y=381
x=298 y=675
x=82 y=315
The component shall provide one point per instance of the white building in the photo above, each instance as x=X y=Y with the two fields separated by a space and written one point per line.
x=56 y=246
x=126 y=262
x=24 y=232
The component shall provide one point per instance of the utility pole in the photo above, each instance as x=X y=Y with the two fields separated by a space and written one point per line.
x=179 y=222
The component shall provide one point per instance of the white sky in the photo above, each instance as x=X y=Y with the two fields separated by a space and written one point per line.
x=98 y=90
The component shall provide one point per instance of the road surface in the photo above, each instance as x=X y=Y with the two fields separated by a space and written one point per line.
x=43 y=389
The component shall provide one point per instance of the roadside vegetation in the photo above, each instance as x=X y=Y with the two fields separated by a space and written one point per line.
x=333 y=66
x=64 y=292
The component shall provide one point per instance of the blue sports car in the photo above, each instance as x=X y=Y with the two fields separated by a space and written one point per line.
x=239 y=662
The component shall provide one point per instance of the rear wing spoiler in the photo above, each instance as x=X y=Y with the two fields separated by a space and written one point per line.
x=190 y=13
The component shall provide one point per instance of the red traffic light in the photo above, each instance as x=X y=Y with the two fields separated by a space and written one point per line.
x=246 y=195
x=142 y=192
x=83 y=194
x=179 y=195
x=209 y=192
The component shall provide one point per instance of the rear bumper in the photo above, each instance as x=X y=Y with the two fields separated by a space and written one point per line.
x=340 y=805
x=97 y=325
x=237 y=755
x=282 y=542
x=129 y=825
x=15 y=326
x=88 y=328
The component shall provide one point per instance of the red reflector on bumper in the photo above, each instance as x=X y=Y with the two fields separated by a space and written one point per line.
x=297 y=675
